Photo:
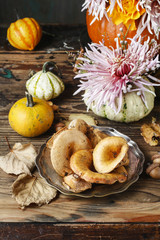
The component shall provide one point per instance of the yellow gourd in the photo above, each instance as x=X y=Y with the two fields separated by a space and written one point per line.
x=30 y=117
x=24 y=34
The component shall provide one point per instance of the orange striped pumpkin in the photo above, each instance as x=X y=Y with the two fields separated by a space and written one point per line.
x=24 y=34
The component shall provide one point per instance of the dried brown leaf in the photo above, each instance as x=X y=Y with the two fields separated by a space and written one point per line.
x=20 y=159
x=32 y=189
x=150 y=133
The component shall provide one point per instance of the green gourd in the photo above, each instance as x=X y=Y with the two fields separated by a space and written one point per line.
x=44 y=84
x=133 y=108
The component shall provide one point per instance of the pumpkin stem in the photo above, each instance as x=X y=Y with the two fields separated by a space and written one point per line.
x=44 y=68
x=30 y=102
x=16 y=12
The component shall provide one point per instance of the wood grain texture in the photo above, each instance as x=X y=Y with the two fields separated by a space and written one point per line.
x=135 y=211
x=79 y=231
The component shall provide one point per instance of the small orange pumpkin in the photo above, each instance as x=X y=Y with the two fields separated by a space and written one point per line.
x=24 y=34
x=106 y=31
x=30 y=117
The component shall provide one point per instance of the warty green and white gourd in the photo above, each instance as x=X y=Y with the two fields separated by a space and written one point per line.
x=133 y=107
x=44 y=84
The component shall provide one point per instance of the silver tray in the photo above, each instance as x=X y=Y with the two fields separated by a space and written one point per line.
x=134 y=169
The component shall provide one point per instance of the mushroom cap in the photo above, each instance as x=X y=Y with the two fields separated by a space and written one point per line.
x=81 y=164
x=79 y=124
x=109 y=153
x=64 y=145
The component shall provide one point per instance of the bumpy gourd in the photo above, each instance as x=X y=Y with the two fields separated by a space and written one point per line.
x=24 y=34
x=44 y=84
x=133 y=108
x=30 y=117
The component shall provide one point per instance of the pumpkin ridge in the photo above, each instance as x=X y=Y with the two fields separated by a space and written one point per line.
x=52 y=85
x=20 y=34
x=11 y=40
x=29 y=80
x=36 y=84
x=38 y=32
x=30 y=32
x=58 y=80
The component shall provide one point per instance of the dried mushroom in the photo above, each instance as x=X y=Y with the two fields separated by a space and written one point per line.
x=71 y=153
x=81 y=164
x=75 y=184
x=64 y=145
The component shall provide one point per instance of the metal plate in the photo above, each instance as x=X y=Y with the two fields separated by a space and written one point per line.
x=134 y=169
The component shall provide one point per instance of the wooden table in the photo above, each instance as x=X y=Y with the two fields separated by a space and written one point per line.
x=133 y=214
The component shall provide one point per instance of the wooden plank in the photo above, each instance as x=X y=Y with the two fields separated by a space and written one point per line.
x=140 y=203
x=79 y=231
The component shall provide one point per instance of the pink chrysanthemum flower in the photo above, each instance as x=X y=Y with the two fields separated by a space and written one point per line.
x=98 y=7
x=95 y=7
x=106 y=74
x=151 y=18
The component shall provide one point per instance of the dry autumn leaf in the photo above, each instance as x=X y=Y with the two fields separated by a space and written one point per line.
x=20 y=159
x=32 y=189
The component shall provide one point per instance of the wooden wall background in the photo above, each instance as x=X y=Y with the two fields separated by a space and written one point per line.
x=44 y=11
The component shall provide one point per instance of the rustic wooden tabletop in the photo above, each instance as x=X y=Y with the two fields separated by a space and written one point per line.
x=132 y=214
